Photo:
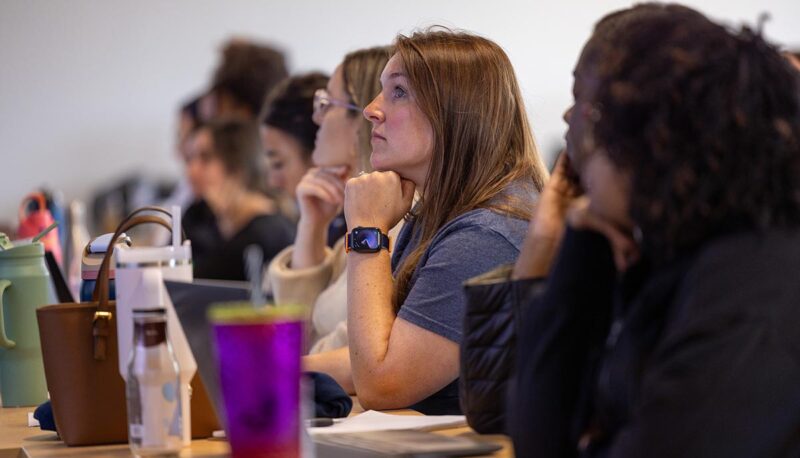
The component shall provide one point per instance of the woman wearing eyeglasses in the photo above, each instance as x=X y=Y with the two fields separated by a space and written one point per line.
x=309 y=272
x=450 y=124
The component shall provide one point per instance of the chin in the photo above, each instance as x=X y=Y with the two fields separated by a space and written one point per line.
x=376 y=163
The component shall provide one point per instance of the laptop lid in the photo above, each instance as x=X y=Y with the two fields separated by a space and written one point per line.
x=191 y=302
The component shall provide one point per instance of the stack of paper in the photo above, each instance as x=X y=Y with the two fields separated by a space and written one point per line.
x=379 y=421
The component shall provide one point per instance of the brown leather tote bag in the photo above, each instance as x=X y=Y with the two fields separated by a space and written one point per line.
x=79 y=349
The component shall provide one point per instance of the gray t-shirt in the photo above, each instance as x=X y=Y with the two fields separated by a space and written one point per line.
x=469 y=245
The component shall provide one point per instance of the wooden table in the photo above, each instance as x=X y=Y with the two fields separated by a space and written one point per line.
x=17 y=440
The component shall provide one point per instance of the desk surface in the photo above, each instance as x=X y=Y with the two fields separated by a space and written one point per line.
x=17 y=440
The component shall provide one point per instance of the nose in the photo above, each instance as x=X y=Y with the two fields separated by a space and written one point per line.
x=568 y=113
x=373 y=111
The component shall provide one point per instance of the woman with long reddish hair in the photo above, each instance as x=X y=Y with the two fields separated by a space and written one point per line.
x=449 y=125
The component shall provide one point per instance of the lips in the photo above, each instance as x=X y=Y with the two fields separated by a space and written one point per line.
x=377 y=136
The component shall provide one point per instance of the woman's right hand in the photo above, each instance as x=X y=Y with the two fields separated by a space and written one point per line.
x=549 y=221
x=624 y=247
x=320 y=195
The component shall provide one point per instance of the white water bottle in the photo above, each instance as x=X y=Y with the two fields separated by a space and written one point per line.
x=153 y=388
x=140 y=275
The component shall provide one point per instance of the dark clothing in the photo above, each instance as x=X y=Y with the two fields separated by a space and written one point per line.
x=336 y=230
x=225 y=261
x=330 y=399
x=696 y=358
x=200 y=226
x=489 y=345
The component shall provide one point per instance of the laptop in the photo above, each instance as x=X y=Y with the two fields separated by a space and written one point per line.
x=191 y=302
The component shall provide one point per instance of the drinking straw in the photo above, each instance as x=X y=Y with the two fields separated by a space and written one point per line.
x=44 y=232
x=254 y=263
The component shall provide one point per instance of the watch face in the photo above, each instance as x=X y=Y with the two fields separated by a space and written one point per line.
x=366 y=239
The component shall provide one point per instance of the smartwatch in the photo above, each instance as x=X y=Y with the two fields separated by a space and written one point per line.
x=366 y=240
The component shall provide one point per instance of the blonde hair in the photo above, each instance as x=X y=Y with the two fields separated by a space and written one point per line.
x=361 y=71
x=482 y=142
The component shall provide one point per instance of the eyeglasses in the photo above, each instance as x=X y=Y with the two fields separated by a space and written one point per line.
x=323 y=101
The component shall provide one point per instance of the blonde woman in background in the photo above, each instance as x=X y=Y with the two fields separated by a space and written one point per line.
x=309 y=272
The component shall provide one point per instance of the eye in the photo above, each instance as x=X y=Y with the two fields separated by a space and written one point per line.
x=398 y=92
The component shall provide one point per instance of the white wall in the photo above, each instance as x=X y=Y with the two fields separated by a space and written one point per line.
x=88 y=89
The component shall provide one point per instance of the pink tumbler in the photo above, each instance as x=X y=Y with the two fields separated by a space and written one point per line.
x=258 y=352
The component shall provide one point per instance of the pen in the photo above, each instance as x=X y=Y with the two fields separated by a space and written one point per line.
x=317 y=422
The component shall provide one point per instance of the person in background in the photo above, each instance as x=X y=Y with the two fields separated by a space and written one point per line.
x=450 y=124
x=227 y=156
x=247 y=72
x=288 y=133
x=245 y=76
x=309 y=273
x=794 y=59
x=187 y=189
x=667 y=324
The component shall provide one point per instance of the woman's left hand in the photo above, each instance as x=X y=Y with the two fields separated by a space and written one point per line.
x=377 y=199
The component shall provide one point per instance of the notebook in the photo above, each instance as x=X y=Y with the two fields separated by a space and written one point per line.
x=398 y=444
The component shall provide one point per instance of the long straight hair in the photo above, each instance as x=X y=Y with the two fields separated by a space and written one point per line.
x=361 y=71
x=465 y=86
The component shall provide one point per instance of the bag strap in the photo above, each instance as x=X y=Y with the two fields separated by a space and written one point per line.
x=122 y=228
x=153 y=208
x=102 y=316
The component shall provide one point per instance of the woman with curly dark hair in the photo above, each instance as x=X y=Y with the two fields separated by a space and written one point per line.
x=667 y=323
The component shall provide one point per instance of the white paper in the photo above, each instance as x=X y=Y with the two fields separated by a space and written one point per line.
x=379 y=421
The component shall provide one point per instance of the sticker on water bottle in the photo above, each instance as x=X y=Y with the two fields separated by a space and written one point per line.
x=170 y=391
x=136 y=431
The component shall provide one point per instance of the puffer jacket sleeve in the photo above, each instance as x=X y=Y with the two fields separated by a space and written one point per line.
x=488 y=346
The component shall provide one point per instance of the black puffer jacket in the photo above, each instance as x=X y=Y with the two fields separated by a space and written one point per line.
x=488 y=347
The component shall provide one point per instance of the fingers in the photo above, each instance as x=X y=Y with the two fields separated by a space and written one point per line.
x=565 y=180
x=342 y=172
x=379 y=199
x=624 y=247
x=320 y=184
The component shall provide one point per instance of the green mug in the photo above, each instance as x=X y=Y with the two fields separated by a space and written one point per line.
x=24 y=286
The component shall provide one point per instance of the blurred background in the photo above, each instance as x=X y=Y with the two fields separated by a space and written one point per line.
x=90 y=90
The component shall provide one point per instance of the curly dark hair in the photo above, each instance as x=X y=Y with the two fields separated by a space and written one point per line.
x=705 y=120
x=291 y=105
x=248 y=72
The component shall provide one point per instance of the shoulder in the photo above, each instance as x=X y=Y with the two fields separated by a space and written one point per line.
x=758 y=264
x=269 y=222
x=483 y=226
x=268 y=230
x=747 y=280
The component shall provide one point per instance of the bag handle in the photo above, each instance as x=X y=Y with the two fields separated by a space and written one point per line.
x=5 y=342
x=153 y=208
x=101 y=287
x=102 y=316
x=23 y=207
